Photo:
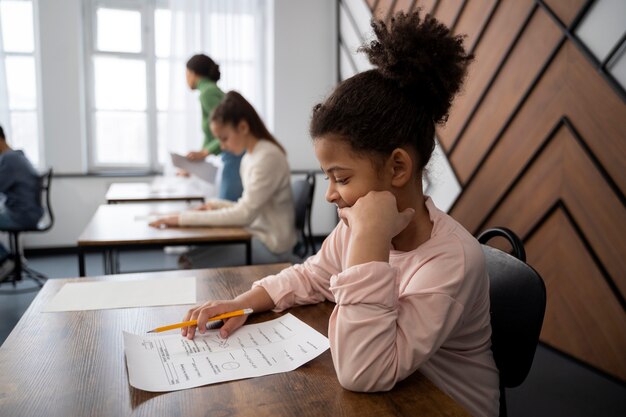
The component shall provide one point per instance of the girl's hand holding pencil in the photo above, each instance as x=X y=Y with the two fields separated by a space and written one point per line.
x=189 y=323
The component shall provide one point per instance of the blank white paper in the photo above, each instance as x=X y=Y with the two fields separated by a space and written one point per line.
x=100 y=295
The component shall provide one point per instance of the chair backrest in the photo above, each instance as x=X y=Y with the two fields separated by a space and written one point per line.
x=518 y=302
x=46 y=222
x=303 y=190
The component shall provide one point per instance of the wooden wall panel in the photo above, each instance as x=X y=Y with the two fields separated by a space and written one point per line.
x=508 y=19
x=592 y=106
x=403 y=5
x=598 y=113
x=582 y=318
x=447 y=10
x=543 y=181
x=537 y=141
x=566 y=10
x=555 y=178
x=527 y=58
x=473 y=12
x=426 y=6
x=381 y=8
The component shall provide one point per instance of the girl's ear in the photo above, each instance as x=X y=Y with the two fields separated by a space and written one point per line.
x=401 y=165
x=243 y=127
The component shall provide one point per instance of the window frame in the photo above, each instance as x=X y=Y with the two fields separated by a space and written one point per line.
x=147 y=55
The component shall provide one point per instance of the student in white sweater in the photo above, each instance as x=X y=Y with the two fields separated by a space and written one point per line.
x=266 y=205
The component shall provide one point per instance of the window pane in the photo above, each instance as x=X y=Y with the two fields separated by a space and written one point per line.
x=24 y=134
x=163 y=84
x=227 y=26
x=118 y=30
x=241 y=77
x=121 y=138
x=168 y=124
x=162 y=30
x=120 y=84
x=21 y=82
x=162 y=120
x=174 y=73
x=16 y=18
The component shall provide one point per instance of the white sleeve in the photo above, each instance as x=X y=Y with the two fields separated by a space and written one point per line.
x=261 y=184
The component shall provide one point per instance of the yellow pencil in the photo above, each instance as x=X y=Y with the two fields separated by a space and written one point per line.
x=243 y=312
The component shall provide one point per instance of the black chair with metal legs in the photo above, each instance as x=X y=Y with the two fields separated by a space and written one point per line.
x=303 y=190
x=518 y=303
x=20 y=270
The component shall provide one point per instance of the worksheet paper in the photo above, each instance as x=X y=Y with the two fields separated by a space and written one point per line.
x=201 y=169
x=172 y=362
x=99 y=295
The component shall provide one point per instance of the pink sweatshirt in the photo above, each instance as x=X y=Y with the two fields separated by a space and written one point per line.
x=426 y=309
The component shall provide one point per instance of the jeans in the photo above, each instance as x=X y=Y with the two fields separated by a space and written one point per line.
x=230 y=187
x=6 y=223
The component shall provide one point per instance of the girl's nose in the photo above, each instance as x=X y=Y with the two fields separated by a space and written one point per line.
x=331 y=193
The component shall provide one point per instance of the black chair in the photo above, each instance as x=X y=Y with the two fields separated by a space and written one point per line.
x=303 y=190
x=20 y=270
x=518 y=303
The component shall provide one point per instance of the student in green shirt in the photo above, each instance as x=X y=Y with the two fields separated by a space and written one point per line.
x=203 y=74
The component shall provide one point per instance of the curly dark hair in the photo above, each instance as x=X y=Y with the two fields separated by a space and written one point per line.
x=204 y=66
x=420 y=66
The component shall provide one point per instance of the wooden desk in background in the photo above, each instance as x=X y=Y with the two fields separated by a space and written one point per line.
x=125 y=226
x=73 y=364
x=158 y=191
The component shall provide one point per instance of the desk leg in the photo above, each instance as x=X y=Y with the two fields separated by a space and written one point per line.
x=115 y=262
x=81 y=263
x=106 y=262
x=249 y=252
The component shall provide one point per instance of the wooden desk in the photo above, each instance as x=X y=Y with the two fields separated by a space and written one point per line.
x=125 y=227
x=73 y=364
x=158 y=191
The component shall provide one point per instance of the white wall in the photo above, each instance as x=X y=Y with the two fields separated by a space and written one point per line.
x=74 y=200
x=302 y=71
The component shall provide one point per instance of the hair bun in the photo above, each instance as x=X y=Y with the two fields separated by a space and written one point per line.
x=423 y=57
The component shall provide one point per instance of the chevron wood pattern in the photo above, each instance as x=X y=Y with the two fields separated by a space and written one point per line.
x=582 y=318
x=537 y=141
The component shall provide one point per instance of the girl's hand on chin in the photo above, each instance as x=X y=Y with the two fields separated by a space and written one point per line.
x=376 y=213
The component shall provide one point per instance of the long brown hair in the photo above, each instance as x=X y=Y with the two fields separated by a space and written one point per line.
x=234 y=108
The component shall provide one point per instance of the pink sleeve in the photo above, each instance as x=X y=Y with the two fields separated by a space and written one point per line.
x=379 y=337
x=309 y=282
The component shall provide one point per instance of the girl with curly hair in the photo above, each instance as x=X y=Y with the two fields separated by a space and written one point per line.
x=409 y=282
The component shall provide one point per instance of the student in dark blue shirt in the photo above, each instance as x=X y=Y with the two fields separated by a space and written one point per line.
x=20 y=205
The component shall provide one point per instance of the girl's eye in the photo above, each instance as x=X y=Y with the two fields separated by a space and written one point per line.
x=340 y=181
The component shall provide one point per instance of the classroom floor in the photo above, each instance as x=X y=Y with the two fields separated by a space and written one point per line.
x=556 y=385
